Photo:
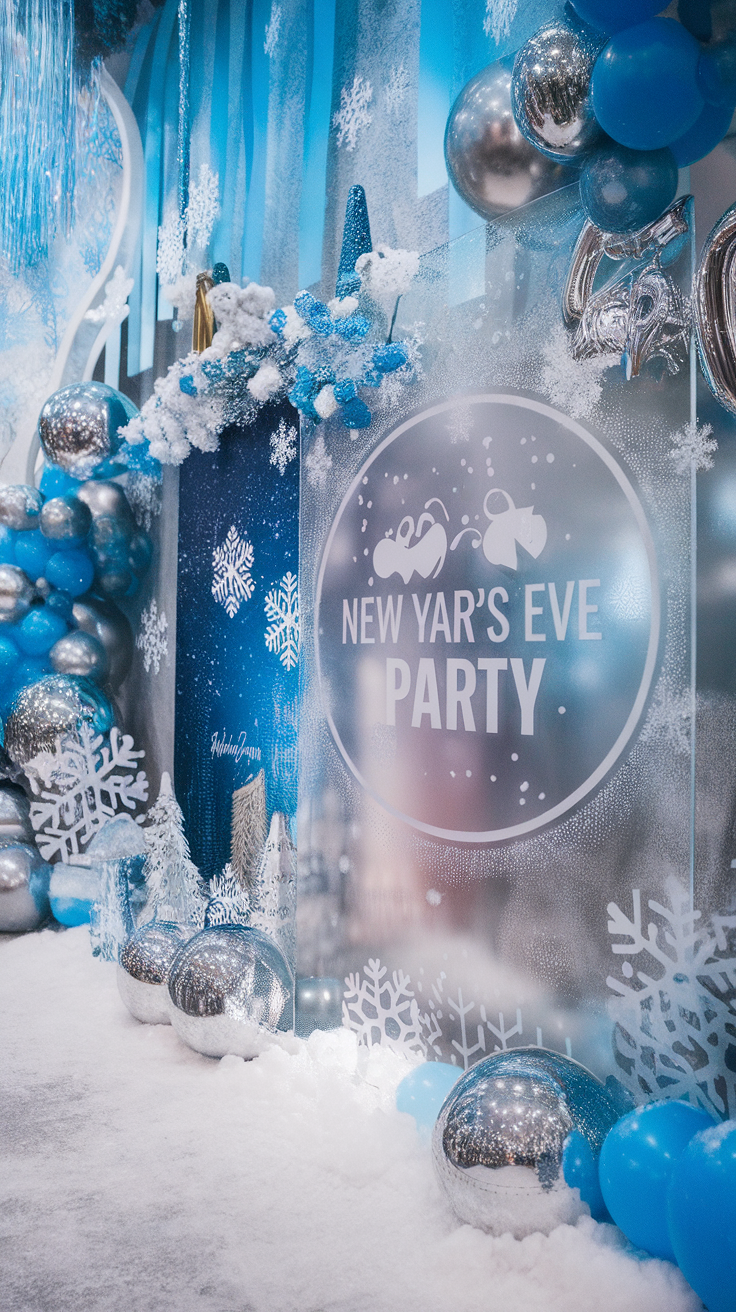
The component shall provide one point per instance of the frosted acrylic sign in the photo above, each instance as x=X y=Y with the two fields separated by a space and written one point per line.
x=487 y=618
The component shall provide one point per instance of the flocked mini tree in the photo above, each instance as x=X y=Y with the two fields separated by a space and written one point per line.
x=174 y=885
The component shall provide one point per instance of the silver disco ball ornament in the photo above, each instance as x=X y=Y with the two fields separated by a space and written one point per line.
x=491 y=164
x=15 y=815
x=107 y=623
x=143 y=970
x=16 y=594
x=230 y=989
x=550 y=91
x=500 y=1140
x=65 y=519
x=24 y=888
x=79 y=427
x=56 y=705
x=20 y=506
x=80 y=653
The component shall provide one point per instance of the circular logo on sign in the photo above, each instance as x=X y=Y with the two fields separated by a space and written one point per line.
x=487 y=618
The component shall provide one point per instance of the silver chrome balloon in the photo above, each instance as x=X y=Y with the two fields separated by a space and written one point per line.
x=80 y=653
x=111 y=627
x=16 y=594
x=493 y=167
x=78 y=426
x=105 y=498
x=24 y=887
x=230 y=990
x=550 y=91
x=65 y=519
x=318 y=1004
x=15 y=815
x=499 y=1140
x=20 y=506
x=714 y=301
x=46 y=710
x=143 y=970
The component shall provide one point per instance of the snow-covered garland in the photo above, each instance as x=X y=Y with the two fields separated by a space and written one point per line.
x=319 y=355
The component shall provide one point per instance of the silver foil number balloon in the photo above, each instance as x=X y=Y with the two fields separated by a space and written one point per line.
x=20 y=506
x=24 y=887
x=230 y=990
x=715 y=310
x=143 y=971
x=493 y=167
x=550 y=91
x=16 y=594
x=500 y=1137
x=46 y=710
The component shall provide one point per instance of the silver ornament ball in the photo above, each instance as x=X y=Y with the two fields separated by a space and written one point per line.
x=230 y=990
x=79 y=426
x=143 y=971
x=56 y=705
x=20 y=506
x=24 y=888
x=15 y=815
x=16 y=594
x=550 y=91
x=493 y=167
x=107 y=623
x=65 y=519
x=106 y=498
x=499 y=1140
x=80 y=653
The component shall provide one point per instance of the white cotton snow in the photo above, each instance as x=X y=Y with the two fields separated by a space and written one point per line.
x=265 y=382
x=387 y=273
x=138 y=1174
x=242 y=315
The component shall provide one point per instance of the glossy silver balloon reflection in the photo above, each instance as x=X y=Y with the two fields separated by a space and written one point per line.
x=80 y=653
x=15 y=815
x=107 y=623
x=230 y=991
x=20 y=506
x=44 y=711
x=493 y=167
x=16 y=594
x=714 y=301
x=78 y=426
x=143 y=971
x=65 y=519
x=499 y=1139
x=550 y=91
x=24 y=887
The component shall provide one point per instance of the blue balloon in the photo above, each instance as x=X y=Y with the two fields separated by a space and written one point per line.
x=39 y=630
x=580 y=1169
x=623 y=190
x=704 y=135
x=7 y=546
x=55 y=482
x=645 y=84
x=613 y=15
x=701 y=1208
x=9 y=658
x=635 y=1168
x=717 y=73
x=33 y=552
x=72 y=571
x=423 y=1091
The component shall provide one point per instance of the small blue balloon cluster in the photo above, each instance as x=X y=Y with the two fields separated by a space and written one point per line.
x=650 y=99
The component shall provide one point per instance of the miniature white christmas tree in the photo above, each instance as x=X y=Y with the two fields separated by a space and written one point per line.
x=172 y=877
x=273 y=898
x=248 y=834
x=229 y=903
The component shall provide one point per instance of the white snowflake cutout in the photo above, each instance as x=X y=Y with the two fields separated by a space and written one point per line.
x=152 y=639
x=353 y=115
x=283 y=446
x=282 y=610
x=232 y=582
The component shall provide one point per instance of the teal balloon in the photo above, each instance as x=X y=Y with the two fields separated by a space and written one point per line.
x=39 y=630
x=580 y=1169
x=55 y=482
x=33 y=552
x=7 y=545
x=645 y=85
x=708 y=129
x=613 y=15
x=9 y=658
x=636 y=1164
x=423 y=1091
x=622 y=190
x=701 y=1209
x=717 y=73
x=72 y=571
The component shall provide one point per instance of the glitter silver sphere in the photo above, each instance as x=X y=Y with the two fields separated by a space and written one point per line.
x=20 y=506
x=499 y=1140
x=143 y=971
x=24 y=888
x=104 y=621
x=46 y=710
x=550 y=91
x=16 y=594
x=65 y=519
x=79 y=426
x=15 y=815
x=79 y=653
x=229 y=990
x=493 y=167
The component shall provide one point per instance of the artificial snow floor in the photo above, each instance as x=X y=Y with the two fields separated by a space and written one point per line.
x=142 y=1177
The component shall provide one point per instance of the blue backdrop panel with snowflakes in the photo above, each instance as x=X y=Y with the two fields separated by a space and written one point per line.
x=237 y=628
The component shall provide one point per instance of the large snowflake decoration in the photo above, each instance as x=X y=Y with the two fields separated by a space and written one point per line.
x=693 y=448
x=283 y=446
x=627 y=599
x=273 y=30
x=318 y=462
x=152 y=638
x=171 y=249
x=353 y=115
x=203 y=209
x=396 y=90
x=383 y=1009
x=81 y=785
x=232 y=581
x=573 y=385
x=675 y=1028
x=282 y=612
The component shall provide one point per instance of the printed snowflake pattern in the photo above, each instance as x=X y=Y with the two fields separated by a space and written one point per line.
x=382 y=1009
x=283 y=446
x=318 y=462
x=668 y=720
x=353 y=116
x=396 y=90
x=170 y=252
x=273 y=30
x=81 y=785
x=675 y=1028
x=499 y=16
x=232 y=582
x=282 y=612
x=693 y=448
x=627 y=599
x=203 y=209
x=574 y=386
x=152 y=638
x=144 y=492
